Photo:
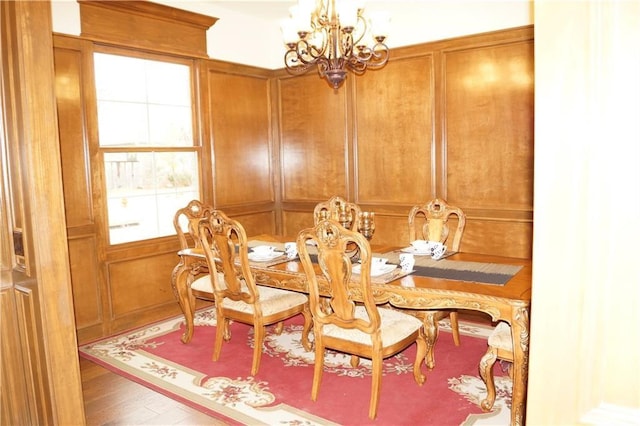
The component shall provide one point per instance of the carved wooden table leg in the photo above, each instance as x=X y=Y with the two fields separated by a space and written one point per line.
x=520 y=335
x=182 y=292
x=431 y=333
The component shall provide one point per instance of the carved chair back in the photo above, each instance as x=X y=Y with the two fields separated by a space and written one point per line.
x=431 y=222
x=186 y=221
x=340 y=210
x=333 y=257
x=224 y=242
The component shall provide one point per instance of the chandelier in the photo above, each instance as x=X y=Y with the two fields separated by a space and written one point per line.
x=332 y=35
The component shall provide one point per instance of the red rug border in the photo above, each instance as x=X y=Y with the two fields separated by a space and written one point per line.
x=149 y=385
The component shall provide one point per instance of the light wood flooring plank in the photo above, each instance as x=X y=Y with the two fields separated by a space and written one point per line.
x=112 y=400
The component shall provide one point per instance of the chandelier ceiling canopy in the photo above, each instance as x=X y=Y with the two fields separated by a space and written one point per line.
x=336 y=37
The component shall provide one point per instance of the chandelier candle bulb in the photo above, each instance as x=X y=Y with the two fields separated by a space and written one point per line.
x=380 y=22
x=289 y=32
x=348 y=15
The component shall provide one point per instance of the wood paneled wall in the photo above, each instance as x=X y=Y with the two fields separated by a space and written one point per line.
x=238 y=133
x=452 y=119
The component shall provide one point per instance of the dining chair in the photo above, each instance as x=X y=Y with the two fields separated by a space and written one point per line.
x=354 y=324
x=340 y=210
x=236 y=295
x=185 y=222
x=500 y=345
x=431 y=222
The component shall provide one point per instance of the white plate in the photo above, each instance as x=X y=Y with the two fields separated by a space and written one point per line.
x=415 y=251
x=264 y=258
x=378 y=271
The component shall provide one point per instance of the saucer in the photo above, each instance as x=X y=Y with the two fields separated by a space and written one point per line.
x=259 y=257
x=415 y=251
x=376 y=272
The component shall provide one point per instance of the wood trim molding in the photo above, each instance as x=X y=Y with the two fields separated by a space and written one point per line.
x=145 y=25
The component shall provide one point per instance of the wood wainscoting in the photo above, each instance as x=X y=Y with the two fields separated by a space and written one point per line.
x=452 y=119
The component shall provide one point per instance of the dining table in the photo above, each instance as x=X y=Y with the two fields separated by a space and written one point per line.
x=496 y=285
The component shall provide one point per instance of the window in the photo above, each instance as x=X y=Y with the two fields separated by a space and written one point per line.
x=145 y=131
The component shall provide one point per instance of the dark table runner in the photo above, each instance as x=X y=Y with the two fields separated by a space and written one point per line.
x=462 y=275
x=485 y=273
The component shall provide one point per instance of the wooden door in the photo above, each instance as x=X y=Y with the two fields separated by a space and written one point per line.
x=40 y=373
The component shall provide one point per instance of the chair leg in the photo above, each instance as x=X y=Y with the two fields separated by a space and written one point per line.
x=317 y=369
x=355 y=361
x=226 y=330
x=376 y=378
x=306 y=329
x=278 y=328
x=221 y=334
x=486 y=372
x=258 y=340
x=453 y=318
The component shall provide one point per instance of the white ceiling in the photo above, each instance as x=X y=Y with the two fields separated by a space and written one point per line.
x=248 y=32
x=265 y=9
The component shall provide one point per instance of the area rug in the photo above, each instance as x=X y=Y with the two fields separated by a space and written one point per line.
x=281 y=391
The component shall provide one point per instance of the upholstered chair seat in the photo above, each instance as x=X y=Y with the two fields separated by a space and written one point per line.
x=500 y=345
x=394 y=326
x=272 y=300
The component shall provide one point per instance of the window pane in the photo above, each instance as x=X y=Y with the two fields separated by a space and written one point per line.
x=145 y=104
x=144 y=190
x=122 y=124
x=170 y=125
x=142 y=102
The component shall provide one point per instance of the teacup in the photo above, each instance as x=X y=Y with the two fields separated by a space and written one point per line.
x=438 y=250
x=263 y=250
x=407 y=261
x=291 y=249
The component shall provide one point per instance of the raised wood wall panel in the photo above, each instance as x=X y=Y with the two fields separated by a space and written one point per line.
x=501 y=237
x=489 y=126
x=141 y=283
x=394 y=122
x=73 y=100
x=73 y=144
x=18 y=406
x=295 y=221
x=391 y=230
x=313 y=139
x=38 y=387
x=85 y=279
x=258 y=222
x=240 y=123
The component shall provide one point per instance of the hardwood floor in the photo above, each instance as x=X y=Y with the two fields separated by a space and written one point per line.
x=110 y=399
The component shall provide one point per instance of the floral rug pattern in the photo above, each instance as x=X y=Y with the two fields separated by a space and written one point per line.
x=241 y=398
